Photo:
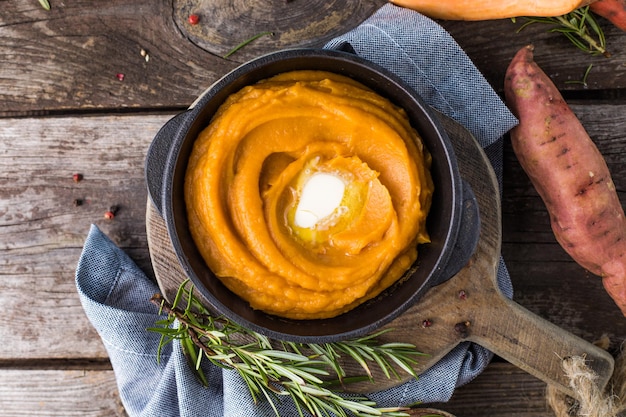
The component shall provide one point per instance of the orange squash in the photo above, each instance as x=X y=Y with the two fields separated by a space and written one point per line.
x=612 y=10
x=491 y=9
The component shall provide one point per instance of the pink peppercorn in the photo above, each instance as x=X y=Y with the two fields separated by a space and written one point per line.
x=193 y=19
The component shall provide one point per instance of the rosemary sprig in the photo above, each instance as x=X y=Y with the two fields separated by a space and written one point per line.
x=579 y=26
x=274 y=370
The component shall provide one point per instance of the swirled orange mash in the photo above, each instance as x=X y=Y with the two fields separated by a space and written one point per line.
x=247 y=181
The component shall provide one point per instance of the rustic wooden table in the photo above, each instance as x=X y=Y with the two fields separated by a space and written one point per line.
x=85 y=86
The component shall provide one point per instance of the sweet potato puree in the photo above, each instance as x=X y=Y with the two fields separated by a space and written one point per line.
x=245 y=183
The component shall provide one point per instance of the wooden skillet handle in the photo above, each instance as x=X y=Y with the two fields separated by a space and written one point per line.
x=532 y=343
x=471 y=307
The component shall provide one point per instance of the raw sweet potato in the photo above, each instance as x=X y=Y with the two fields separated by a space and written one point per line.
x=612 y=10
x=569 y=173
x=490 y=9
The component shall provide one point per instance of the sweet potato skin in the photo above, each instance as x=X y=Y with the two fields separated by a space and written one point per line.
x=612 y=10
x=490 y=9
x=569 y=173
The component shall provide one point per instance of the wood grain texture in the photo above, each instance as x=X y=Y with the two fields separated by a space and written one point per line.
x=502 y=390
x=68 y=58
x=66 y=61
x=53 y=393
x=224 y=24
x=562 y=61
x=43 y=231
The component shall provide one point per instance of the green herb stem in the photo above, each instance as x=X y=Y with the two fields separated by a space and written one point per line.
x=295 y=370
x=579 y=27
x=246 y=42
x=583 y=81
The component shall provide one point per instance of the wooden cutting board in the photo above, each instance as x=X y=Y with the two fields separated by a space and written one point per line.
x=468 y=307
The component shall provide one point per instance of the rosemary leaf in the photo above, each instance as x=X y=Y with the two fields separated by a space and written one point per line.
x=284 y=355
x=385 y=366
x=316 y=371
x=277 y=369
x=195 y=357
x=584 y=79
x=199 y=359
x=358 y=407
x=45 y=4
x=263 y=341
x=224 y=357
x=164 y=327
x=402 y=364
x=330 y=357
x=179 y=293
x=246 y=42
x=270 y=400
x=291 y=374
x=190 y=299
x=358 y=358
x=578 y=26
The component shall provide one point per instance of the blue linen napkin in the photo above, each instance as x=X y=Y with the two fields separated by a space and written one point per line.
x=115 y=293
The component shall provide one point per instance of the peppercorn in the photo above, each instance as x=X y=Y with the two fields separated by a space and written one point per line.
x=427 y=323
x=77 y=177
x=110 y=213
x=193 y=19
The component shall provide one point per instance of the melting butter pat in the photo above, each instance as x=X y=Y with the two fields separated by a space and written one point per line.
x=320 y=197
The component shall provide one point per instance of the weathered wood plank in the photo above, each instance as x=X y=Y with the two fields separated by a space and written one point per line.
x=501 y=391
x=50 y=393
x=69 y=58
x=43 y=231
x=286 y=24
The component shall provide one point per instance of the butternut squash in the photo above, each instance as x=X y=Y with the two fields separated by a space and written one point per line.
x=491 y=9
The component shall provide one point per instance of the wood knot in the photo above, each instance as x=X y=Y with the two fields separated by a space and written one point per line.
x=462 y=329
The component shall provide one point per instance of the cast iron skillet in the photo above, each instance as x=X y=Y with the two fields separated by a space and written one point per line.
x=453 y=222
